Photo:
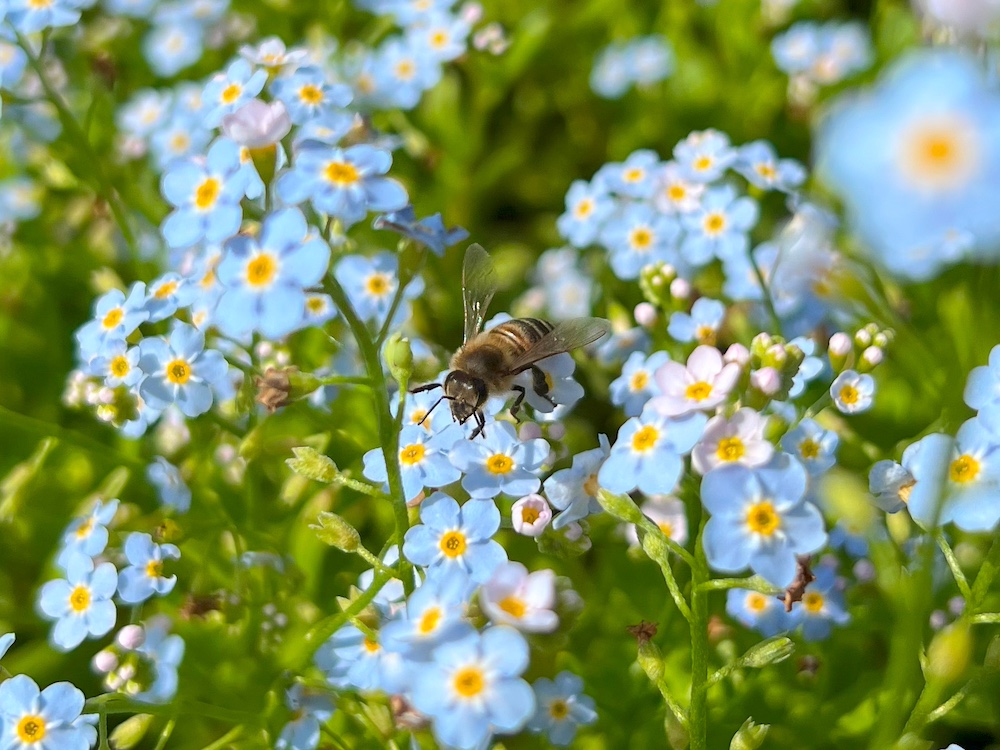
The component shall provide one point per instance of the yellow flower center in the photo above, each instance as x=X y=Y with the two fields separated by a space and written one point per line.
x=558 y=709
x=207 y=193
x=469 y=682
x=315 y=305
x=417 y=416
x=676 y=192
x=154 y=569
x=705 y=335
x=513 y=606
x=429 y=620
x=85 y=528
x=378 y=284
x=231 y=93
x=180 y=142
x=702 y=163
x=641 y=238
x=261 y=270
x=906 y=490
x=666 y=528
x=634 y=174
x=371 y=646
x=341 y=173
x=645 y=439
x=849 y=395
x=120 y=366
x=165 y=289
x=809 y=448
x=31 y=729
x=311 y=94
x=405 y=70
x=79 y=599
x=178 y=372
x=715 y=223
x=439 y=39
x=767 y=171
x=698 y=391
x=453 y=544
x=500 y=464
x=756 y=602
x=638 y=380
x=412 y=454
x=763 y=519
x=964 y=469
x=940 y=154
x=813 y=602
x=730 y=449
x=40 y=4
x=590 y=485
x=584 y=208
x=113 y=318
x=529 y=514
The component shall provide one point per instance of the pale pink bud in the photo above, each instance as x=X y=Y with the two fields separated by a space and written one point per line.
x=530 y=515
x=557 y=430
x=840 y=344
x=257 y=124
x=872 y=356
x=863 y=337
x=766 y=380
x=529 y=431
x=131 y=637
x=645 y=314
x=737 y=353
x=104 y=661
x=471 y=13
x=572 y=531
x=680 y=288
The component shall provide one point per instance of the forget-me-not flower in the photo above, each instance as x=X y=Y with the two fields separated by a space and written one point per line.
x=144 y=575
x=499 y=462
x=561 y=707
x=423 y=459
x=81 y=603
x=181 y=371
x=44 y=719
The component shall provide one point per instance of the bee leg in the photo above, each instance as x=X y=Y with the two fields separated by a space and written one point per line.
x=425 y=387
x=480 y=426
x=540 y=385
x=519 y=389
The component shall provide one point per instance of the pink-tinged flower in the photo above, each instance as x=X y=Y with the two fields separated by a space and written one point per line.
x=667 y=512
x=767 y=380
x=512 y=596
x=739 y=439
x=257 y=124
x=531 y=515
x=701 y=385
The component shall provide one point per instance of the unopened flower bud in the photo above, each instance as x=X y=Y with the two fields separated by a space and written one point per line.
x=863 y=337
x=257 y=124
x=654 y=281
x=131 y=637
x=737 y=353
x=840 y=344
x=557 y=430
x=870 y=359
x=104 y=661
x=880 y=340
x=529 y=431
x=949 y=652
x=573 y=531
x=531 y=515
x=471 y=13
x=312 y=464
x=767 y=652
x=767 y=380
x=775 y=356
x=279 y=387
x=399 y=357
x=620 y=506
x=335 y=531
x=130 y=732
x=750 y=736
x=645 y=314
x=680 y=288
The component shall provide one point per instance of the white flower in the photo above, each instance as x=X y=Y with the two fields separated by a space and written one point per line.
x=512 y=596
x=852 y=393
x=257 y=124
x=531 y=515
x=700 y=386
x=736 y=440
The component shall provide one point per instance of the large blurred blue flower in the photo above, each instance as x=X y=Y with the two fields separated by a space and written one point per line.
x=561 y=707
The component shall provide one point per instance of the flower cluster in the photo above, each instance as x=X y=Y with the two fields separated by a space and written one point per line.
x=815 y=55
x=641 y=62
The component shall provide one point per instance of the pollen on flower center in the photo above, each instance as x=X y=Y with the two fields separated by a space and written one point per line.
x=715 y=223
x=113 y=318
x=676 y=192
x=371 y=646
x=634 y=174
x=964 y=469
x=40 y=4
x=756 y=602
x=584 y=208
x=698 y=391
x=439 y=39
x=207 y=193
x=429 y=620
x=849 y=395
x=154 y=569
x=500 y=464
x=120 y=366
x=639 y=380
x=178 y=372
x=453 y=544
x=315 y=305
x=31 y=729
x=558 y=709
x=813 y=601
x=311 y=94
x=261 y=270
x=730 y=449
x=513 y=606
x=529 y=515
x=469 y=682
x=180 y=142
x=79 y=599
x=412 y=454
x=165 y=289
x=702 y=163
x=417 y=416
x=940 y=154
x=809 y=448
x=645 y=439
x=641 y=238
x=378 y=284
x=231 y=93
x=763 y=519
x=341 y=173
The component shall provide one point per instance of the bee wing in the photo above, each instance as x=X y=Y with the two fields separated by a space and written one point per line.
x=564 y=337
x=479 y=284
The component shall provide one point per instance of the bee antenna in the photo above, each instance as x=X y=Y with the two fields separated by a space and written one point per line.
x=433 y=408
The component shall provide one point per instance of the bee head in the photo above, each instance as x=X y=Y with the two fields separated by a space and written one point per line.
x=465 y=393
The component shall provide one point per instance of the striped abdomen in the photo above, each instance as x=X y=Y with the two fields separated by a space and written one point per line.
x=521 y=333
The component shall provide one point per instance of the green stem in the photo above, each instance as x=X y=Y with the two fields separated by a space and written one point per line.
x=956 y=569
x=986 y=618
x=343 y=380
x=102 y=728
x=984 y=579
x=753 y=583
x=768 y=299
x=673 y=705
x=225 y=739
x=317 y=636
x=165 y=734
x=698 y=713
x=116 y=703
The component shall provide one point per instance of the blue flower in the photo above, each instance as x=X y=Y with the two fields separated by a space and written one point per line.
x=402 y=71
x=821 y=607
x=957 y=480
x=181 y=371
x=848 y=537
x=81 y=603
x=635 y=386
x=307 y=94
x=118 y=365
x=651 y=58
x=344 y=183
x=434 y=614
x=370 y=284
x=164 y=653
x=765 y=614
x=760 y=519
x=171 y=47
x=574 y=490
x=637 y=237
x=983 y=386
x=206 y=195
x=705 y=155
x=265 y=277
x=852 y=393
x=165 y=295
x=473 y=688
x=760 y=165
x=418 y=411
x=815 y=447
x=795 y=49
x=611 y=75
x=523 y=600
x=442 y=36
x=227 y=92
x=351 y=658
x=423 y=459
x=87 y=536
x=12 y=63
x=309 y=710
x=144 y=575
x=43 y=720
x=561 y=707
x=634 y=178
x=648 y=453
x=170 y=485
x=499 y=462
x=620 y=344
x=28 y=17
x=891 y=483
x=429 y=232
x=6 y=641
x=720 y=227
x=701 y=325
x=451 y=536
x=115 y=317
x=182 y=137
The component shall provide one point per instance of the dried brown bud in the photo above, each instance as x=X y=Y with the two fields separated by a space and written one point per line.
x=642 y=632
x=405 y=715
x=274 y=388
x=199 y=605
x=718 y=630
x=803 y=577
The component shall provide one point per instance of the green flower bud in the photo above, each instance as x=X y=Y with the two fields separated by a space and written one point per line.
x=949 y=653
x=992 y=660
x=750 y=736
x=335 y=531
x=264 y=160
x=399 y=357
x=312 y=464
x=620 y=506
x=651 y=660
x=654 y=282
x=767 y=652
x=130 y=732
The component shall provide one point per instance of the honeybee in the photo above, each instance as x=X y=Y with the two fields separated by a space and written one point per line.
x=488 y=361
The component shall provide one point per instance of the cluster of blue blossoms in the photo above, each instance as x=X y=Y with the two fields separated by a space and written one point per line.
x=815 y=55
x=643 y=62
